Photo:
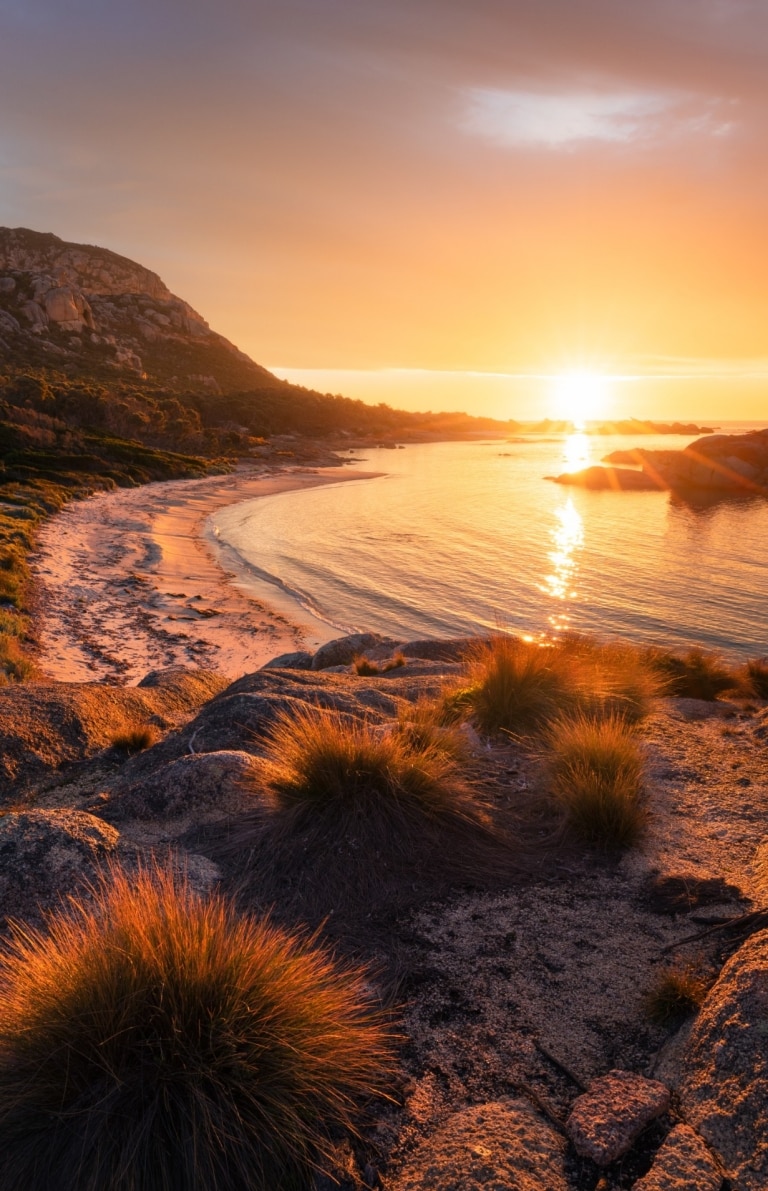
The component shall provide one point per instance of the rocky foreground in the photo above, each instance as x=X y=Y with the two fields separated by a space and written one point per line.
x=529 y=1060
x=718 y=464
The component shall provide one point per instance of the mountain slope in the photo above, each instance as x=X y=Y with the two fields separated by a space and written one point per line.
x=85 y=310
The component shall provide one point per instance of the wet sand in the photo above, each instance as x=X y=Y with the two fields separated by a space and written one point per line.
x=129 y=582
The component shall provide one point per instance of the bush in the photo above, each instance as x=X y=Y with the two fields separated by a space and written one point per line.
x=696 y=674
x=677 y=993
x=332 y=773
x=153 y=1041
x=596 y=779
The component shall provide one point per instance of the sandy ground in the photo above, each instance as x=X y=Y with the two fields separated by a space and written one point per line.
x=129 y=582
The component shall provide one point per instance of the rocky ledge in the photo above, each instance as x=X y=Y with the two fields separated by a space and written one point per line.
x=720 y=464
x=530 y=1062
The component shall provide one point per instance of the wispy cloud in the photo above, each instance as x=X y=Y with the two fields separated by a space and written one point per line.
x=566 y=120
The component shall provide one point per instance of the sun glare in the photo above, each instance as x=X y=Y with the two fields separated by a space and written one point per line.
x=580 y=396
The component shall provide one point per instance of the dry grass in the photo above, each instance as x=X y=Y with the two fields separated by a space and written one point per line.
x=135 y=739
x=756 y=678
x=366 y=668
x=15 y=665
x=515 y=686
x=595 y=771
x=331 y=772
x=695 y=674
x=153 y=1041
x=677 y=993
x=422 y=725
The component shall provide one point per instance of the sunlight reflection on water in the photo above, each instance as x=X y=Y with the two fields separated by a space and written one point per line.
x=568 y=537
x=576 y=451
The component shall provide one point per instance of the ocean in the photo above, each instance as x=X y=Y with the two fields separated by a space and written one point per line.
x=459 y=539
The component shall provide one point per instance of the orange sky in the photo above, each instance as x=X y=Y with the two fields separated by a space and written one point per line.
x=353 y=190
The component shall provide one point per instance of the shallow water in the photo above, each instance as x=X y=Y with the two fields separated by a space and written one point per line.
x=460 y=538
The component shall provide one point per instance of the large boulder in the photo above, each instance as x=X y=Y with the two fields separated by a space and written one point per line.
x=502 y=1146
x=724 y=1067
x=47 y=854
x=343 y=650
x=201 y=787
x=47 y=726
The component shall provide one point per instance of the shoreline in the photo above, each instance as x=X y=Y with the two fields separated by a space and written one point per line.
x=132 y=581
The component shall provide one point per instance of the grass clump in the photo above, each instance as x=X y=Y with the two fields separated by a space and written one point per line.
x=517 y=686
x=15 y=664
x=422 y=725
x=677 y=993
x=696 y=674
x=756 y=677
x=336 y=773
x=135 y=739
x=596 y=779
x=364 y=666
x=152 y=1040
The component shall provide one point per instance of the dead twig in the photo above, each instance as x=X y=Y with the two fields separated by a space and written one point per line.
x=753 y=920
x=560 y=1065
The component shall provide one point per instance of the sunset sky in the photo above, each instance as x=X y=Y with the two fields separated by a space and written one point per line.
x=429 y=202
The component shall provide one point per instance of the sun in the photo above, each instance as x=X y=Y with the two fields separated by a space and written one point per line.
x=579 y=396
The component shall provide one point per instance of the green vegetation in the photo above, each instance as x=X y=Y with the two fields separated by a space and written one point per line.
x=676 y=994
x=151 y=1039
x=595 y=771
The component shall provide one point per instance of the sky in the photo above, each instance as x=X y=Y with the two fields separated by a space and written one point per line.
x=434 y=203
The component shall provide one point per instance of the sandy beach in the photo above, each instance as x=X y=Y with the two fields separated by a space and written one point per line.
x=129 y=581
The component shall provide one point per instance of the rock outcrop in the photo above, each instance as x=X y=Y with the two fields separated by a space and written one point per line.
x=504 y=1144
x=77 y=304
x=609 y=1117
x=724 y=1068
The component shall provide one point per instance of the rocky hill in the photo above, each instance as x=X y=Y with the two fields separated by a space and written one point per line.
x=83 y=309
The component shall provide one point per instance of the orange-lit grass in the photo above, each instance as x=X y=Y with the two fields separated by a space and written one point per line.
x=329 y=772
x=595 y=773
x=756 y=678
x=517 y=686
x=695 y=674
x=153 y=1040
x=676 y=993
x=135 y=739
x=422 y=725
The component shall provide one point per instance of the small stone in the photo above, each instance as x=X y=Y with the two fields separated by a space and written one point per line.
x=682 y=1164
x=607 y=1119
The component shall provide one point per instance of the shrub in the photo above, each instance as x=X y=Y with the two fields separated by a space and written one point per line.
x=394 y=663
x=677 y=993
x=152 y=1040
x=596 y=778
x=696 y=674
x=332 y=773
x=135 y=739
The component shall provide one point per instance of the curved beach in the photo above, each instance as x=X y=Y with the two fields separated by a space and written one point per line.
x=129 y=581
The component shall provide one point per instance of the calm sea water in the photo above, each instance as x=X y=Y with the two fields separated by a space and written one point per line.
x=460 y=538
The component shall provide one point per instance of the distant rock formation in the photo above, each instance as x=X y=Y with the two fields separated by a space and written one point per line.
x=84 y=309
x=727 y=464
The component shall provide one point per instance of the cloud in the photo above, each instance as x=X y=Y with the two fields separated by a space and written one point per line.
x=568 y=119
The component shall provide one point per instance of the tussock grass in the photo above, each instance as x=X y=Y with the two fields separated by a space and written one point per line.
x=364 y=666
x=677 y=993
x=153 y=1041
x=756 y=683
x=333 y=773
x=695 y=674
x=422 y=725
x=516 y=686
x=595 y=771
x=15 y=665
x=135 y=738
